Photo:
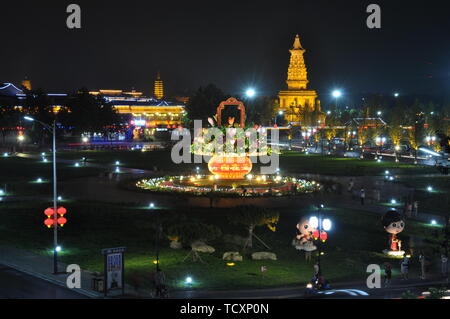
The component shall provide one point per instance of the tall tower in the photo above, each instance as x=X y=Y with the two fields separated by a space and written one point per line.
x=297 y=73
x=158 y=91
x=299 y=104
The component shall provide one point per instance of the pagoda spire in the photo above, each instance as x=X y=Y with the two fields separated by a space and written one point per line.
x=297 y=44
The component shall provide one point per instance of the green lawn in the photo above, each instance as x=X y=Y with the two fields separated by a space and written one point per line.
x=290 y=162
x=20 y=175
x=436 y=201
x=356 y=241
x=294 y=162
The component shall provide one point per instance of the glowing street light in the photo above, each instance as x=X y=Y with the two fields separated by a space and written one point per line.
x=434 y=222
x=251 y=93
x=430 y=188
x=396 y=94
x=321 y=227
x=58 y=249
x=151 y=206
x=337 y=94
x=393 y=202
x=188 y=280
x=52 y=129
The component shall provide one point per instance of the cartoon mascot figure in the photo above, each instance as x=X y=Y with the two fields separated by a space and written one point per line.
x=394 y=224
x=304 y=239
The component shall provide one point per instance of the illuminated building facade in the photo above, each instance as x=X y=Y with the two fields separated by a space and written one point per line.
x=147 y=116
x=300 y=105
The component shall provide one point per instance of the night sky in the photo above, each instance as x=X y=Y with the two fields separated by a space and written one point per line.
x=233 y=44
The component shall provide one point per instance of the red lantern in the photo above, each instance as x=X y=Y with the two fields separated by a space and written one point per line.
x=62 y=221
x=323 y=236
x=62 y=211
x=49 y=212
x=49 y=222
x=316 y=235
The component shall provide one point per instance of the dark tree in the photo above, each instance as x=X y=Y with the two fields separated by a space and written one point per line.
x=203 y=104
x=87 y=113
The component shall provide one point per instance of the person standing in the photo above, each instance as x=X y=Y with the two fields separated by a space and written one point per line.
x=444 y=265
x=387 y=274
x=404 y=267
x=422 y=266
x=351 y=184
x=415 y=209
x=362 y=196
x=316 y=271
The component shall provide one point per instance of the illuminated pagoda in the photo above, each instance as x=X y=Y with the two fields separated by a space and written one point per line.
x=158 y=90
x=300 y=105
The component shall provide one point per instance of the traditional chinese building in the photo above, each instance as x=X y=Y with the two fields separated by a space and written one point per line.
x=300 y=105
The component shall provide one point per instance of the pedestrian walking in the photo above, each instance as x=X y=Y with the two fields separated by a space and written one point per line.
x=362 y=195
x=160 y=284
x=422 y=266
x=444 y=265
x=351 y=184
x=387 y=274
x=404 y=267
x=316 y=271
x=415 y=209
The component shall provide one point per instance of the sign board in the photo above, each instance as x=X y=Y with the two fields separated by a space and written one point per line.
x=114 y=269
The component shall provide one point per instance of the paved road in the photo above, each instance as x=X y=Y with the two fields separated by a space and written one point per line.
x=17 y=285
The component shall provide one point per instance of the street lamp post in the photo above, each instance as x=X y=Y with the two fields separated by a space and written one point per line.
x=337 y=94
x=280 y=113
x=55 y=196
x=322 y=226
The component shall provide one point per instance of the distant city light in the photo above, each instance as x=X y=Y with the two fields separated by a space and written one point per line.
x=189 y=280
x=2 y=192
x=39 y=180
x=396 y=94
x=60 y=198
x=117 y=163
x=85 y=139
x=58 y=249
x=393 y=202
x=5 y=154
x=117 y=170
x=152 y=205
x=21 y=138
x=430 y=189
x=434 y=222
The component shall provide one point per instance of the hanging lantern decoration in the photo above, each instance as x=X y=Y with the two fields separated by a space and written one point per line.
x=49 y=212
x=323 y=236
x=49 y=222
x=62 y=211
x=62 y=221
x=316 y=234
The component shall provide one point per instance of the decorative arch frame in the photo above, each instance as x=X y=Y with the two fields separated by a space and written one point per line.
x=231 y=102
